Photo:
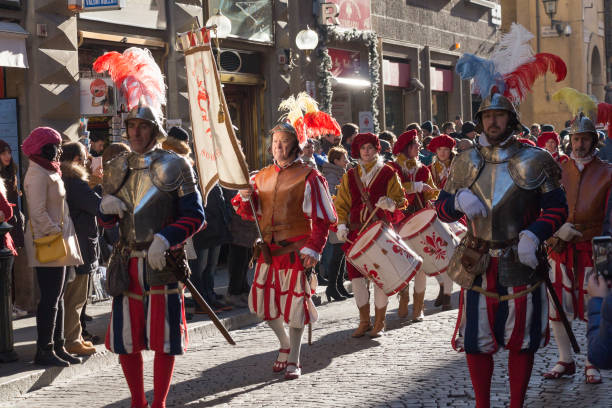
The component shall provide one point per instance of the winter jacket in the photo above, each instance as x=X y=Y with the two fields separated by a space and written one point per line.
x=218 y=217
x=46 y=201
x=333 y=174
x=599 y=332
x=83 y=203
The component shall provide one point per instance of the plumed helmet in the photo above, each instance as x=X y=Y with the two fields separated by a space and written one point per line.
x=497 y=101
x=582 y=124
x=146 y=113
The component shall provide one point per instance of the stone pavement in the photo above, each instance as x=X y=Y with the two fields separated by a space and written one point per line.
x=413 y=365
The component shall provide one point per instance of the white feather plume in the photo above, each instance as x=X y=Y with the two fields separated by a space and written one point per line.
x=513 y=49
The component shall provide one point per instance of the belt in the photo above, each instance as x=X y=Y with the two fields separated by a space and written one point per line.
x=141 y=298
x=288 y=247
x=504 y=298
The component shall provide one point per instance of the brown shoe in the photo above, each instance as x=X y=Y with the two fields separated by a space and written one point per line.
x=418 y=306
x=379 y=323
x=80 y=349
x=404 y=299
x=364 y=321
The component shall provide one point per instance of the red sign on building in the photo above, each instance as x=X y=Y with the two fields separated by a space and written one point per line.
x=345 y=64
x=354 y=13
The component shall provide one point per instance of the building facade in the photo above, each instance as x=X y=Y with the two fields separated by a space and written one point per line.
x=576 y=34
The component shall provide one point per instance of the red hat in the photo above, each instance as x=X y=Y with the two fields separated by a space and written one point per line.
x=38 y=138
x=404 y=140
x=441 y=141
x=526 y=141
x=360 y=140
x=545 y=137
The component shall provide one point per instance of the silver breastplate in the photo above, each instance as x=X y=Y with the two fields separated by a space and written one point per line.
x=149 y=208
x=507 y=204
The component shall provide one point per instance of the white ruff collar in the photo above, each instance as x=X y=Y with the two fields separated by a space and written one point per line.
x=366 y=178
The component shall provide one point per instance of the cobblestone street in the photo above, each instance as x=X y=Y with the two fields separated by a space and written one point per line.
x=413 y=365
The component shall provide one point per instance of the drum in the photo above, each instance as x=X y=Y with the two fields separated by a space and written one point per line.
x=458 y=229
x=431 y=239
x=381 y=256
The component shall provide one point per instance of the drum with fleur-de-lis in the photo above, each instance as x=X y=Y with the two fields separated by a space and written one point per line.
x=381 y=256
x=431 y=239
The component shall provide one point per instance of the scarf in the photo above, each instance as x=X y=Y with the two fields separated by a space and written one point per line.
x=53 y=166
x=582 y=161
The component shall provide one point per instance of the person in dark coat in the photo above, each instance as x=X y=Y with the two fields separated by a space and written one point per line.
x=599 y=332
x=83 y=203
x=207 y=244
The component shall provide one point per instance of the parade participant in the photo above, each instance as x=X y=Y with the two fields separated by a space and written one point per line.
x=442 y=146
x=152 y=194
x=587 y=181
x=500 y=263
x=295 y=211
x=419 y=189
x=550 y=142
x=370 y=186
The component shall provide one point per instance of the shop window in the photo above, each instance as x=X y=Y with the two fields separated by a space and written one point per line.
x=251 y=20
x=394 y=110
x=439 y=107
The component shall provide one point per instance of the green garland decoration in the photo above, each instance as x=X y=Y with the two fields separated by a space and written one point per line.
x=332 y=33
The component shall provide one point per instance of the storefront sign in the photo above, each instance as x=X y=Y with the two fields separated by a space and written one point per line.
x=97 y=97
x=396 y=74
x=328 y=14
x=354 y=13
x=98 y=5
x=345 y=64
x=441 y=79
x=366 y=124
x=134 y=13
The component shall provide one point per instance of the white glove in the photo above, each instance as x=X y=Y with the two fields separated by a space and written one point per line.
x=418 y=186
x=567 y=232
x=469 y=204
x=112 y=205
x=156 y=255
x=342 y=233
x=527 y=247
x=386 y=203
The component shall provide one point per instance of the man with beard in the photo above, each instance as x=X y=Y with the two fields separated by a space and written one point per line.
x=588 y=182
x=502 y=301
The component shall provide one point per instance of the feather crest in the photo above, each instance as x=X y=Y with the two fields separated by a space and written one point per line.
x=513 y=49
x=292 y=109
x=576 y=101
x=520 y=81
x=320 y=123
x=307 y=103
x=470 y=66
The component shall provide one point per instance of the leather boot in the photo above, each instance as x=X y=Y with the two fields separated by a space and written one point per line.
x=379 y=323
x=61 y=352
x=364 y=321
x=439 y=300
x=404 y=299
x=418 y=306
x=446 y=302
x=45 y=356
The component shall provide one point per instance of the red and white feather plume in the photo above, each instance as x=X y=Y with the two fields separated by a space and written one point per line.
x=137 y=76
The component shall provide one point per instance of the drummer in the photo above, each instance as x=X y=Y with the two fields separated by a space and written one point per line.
x=420 y=189
x=383 y=193
x=443 y=148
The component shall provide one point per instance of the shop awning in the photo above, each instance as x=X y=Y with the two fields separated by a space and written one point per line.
x=13 y=52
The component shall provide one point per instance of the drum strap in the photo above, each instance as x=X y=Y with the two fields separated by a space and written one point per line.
x=365 y=196
x=504 y=298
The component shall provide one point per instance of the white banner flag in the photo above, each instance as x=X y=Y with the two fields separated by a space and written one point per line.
x=219 y=156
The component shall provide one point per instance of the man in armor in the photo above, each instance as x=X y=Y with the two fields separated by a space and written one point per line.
x=295 y=211
x=587 y=181
x=511 y=195
x=152 y=194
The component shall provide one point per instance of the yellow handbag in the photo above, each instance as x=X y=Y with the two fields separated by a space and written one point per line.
x=51 y=247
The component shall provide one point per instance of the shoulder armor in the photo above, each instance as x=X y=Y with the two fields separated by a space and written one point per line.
x=170 y=172
x=533 y=167
x=464 y=170
x=115 y=173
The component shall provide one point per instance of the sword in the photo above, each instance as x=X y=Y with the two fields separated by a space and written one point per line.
x=177 y=262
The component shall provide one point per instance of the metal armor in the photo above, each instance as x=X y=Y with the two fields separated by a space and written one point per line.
x=149 y=184
x=508 y=180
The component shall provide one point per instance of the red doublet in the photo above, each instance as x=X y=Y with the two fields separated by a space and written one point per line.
x=359 y=212
x=422 y=175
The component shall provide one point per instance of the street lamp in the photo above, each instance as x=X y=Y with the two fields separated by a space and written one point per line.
x=307 y=40
x=224 y=25
x=550 y=8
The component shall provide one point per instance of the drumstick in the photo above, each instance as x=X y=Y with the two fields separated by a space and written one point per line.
x=367 y=221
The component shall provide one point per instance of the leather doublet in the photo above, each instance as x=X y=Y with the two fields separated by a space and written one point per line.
x=587 y=193
x=280 y=195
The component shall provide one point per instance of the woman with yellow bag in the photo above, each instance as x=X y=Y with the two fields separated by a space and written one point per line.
x=51 y=242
